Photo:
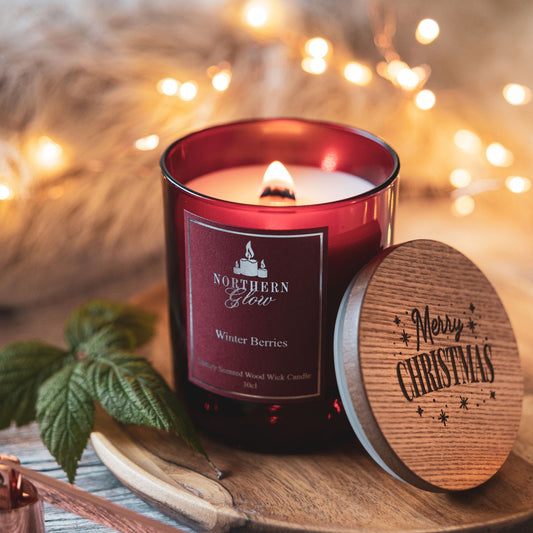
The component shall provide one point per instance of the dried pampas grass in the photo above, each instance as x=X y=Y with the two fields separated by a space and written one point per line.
x=84 y=74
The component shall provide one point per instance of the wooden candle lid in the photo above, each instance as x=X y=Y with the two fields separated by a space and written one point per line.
x=428 y=367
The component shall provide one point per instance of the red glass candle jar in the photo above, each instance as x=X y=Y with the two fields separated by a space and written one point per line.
x=254 y=288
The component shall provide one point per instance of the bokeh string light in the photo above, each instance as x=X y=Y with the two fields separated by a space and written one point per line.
x=316 y=51
x=48 y=154
x=517 y=94
x=518 y=184
x=425 y=99
x=498 y=155
x=256 y=13
x=427 y=31
x=460 y=177
x=150 y=142
x=221 y=80
x=168 y=86
x=468 y=141
x=188 y=90
x=5 y=191
x=317 y=47
x=358 y=73
x=318 y=54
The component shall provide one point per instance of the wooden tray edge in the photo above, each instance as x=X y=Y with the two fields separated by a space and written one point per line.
x=166 y=495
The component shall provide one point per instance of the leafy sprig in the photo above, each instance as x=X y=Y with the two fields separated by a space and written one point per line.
x=59 y=387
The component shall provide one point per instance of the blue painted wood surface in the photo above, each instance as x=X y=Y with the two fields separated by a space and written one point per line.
x=92 y=476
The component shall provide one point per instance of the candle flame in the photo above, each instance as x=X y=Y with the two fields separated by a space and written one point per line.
x=278 y=186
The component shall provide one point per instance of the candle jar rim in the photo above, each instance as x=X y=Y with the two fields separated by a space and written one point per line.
x=340 y=129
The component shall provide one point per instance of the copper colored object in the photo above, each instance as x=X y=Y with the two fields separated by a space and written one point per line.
x=28 y=516
x=21 y=509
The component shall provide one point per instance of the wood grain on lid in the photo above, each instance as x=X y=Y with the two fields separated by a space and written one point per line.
x=432 y=367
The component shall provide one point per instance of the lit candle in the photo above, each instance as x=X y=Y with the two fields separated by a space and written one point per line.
x=311 y=185
x=256 y=271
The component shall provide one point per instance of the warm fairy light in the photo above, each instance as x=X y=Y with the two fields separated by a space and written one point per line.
x=147 y=143
x=517 y=94
x=427 y=31
x=256 y=13
x=425 y=99
x=422 y=72
x=357 y=73
x=460 y=177
x=188 y=91
x=168 y=86
x=48 y=153
x=317 y=47
x=407 y=79
x=382 y=70
x=498 y=155
x=468 y=141
x=314 y=65
x=463 y=206
x=221 y=80
x=399 y=73
x=394 y=67
x=5 y=192
x=517 y=184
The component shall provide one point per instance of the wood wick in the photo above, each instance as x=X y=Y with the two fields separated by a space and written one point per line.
x=75 y=500
x=276 y=191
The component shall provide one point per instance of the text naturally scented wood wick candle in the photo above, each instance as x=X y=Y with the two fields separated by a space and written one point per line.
x=256 y=271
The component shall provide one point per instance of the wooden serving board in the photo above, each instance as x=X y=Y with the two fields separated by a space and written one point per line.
x=336 y=490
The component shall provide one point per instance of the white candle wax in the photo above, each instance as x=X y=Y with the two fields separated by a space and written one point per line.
x=312 y=185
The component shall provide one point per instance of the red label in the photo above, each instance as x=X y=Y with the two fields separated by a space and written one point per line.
x=255 y=306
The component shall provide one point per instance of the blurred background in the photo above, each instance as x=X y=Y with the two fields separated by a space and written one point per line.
x=91 y=92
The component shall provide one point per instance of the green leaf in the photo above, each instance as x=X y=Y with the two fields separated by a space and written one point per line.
x=91 y=317
x=181 y=422
x=59 y=388
x=65 y=412
x=107 y=339
x=132 y=392
x=24 y=366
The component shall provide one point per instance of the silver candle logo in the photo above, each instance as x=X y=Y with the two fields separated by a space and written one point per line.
x=243 y=291
x=248 y=266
